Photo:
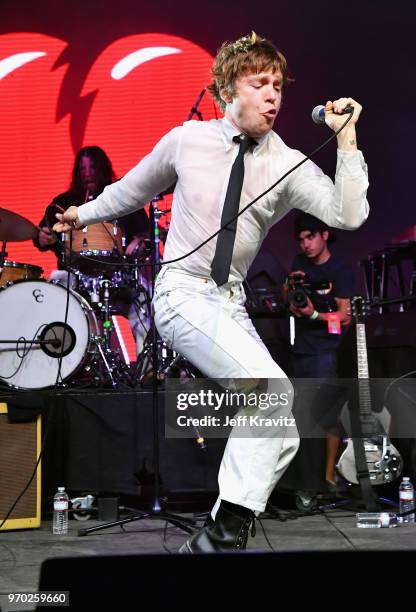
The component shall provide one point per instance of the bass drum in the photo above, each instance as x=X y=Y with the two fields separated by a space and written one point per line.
x=35 y=311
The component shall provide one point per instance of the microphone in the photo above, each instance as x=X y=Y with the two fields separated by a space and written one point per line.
x=318 y=113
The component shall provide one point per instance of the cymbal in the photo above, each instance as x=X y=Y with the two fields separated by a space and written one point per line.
x=15 y=228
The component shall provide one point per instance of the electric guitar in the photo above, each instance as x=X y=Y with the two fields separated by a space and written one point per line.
x=384 y=461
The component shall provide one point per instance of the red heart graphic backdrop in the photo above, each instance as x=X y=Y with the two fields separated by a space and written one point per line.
x=138 y=88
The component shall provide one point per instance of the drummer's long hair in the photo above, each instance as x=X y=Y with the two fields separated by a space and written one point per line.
x=103 y=167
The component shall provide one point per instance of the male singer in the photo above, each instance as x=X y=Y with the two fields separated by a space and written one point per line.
x=219 y=166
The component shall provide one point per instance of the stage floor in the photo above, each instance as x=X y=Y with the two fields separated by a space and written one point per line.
x=22 y=552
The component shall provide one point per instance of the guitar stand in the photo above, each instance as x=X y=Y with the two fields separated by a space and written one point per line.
x=367 y=497
x=355 y=504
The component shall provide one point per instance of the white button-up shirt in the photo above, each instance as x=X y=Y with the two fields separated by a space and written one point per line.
x=199 y=156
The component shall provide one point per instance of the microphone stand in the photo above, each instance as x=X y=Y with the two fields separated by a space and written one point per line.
x=194 y=109
x=156 y=512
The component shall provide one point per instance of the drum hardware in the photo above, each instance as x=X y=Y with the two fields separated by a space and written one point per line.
x=103 y=366
x=3 y=255
x=154 y=350
x=54 y=343
x=179 y=367
x=169 y=363
x=102 y=352
x=107 y=321
x=103 y=293
x=123 y=285
x=143 y=370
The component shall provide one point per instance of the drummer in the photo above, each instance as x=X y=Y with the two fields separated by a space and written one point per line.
x=91 y=173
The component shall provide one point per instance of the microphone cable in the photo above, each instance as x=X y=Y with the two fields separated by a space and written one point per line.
x=247 y=206
x=243 y=210
x=306 y=158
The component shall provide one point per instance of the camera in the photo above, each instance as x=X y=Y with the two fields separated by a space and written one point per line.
x=301 y=288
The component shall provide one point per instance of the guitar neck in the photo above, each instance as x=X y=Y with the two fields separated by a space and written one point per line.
x=362 y=360
x=364 y=393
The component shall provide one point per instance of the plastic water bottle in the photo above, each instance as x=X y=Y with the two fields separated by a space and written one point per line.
x=372 y=520
x=60 y=512
x=407 y=500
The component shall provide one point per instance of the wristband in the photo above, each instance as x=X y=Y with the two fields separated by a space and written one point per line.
x=314 y=315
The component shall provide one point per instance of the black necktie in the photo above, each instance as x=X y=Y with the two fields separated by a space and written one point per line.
x=220 y=267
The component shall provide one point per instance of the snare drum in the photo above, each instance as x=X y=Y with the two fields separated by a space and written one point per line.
x=97 y=242
x=12 y=271
x=35 y=310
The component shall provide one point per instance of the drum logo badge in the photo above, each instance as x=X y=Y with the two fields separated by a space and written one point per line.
x=38 y=295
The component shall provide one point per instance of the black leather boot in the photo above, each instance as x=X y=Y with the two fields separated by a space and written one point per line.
x=209 y=521
x=229 y=531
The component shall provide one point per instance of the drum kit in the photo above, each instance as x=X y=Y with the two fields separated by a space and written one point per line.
x=62 y=331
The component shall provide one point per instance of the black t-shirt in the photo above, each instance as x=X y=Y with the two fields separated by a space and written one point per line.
x=136 y=222
x=312 y=337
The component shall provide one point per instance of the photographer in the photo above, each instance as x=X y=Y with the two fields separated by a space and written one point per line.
x=324 y=284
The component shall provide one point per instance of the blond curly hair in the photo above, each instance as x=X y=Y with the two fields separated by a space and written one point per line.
x=249 y=54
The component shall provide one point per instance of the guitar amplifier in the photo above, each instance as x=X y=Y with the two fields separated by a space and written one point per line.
x=20 y=445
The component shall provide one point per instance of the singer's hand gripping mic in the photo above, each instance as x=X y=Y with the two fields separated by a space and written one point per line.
x=318 y=113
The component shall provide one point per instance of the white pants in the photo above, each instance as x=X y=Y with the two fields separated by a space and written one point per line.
x=210 y=327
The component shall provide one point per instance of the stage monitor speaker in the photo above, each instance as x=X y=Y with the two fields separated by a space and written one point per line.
x=198 y=582
x=20 y=445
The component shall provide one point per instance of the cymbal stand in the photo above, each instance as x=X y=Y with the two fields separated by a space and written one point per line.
x=153 y=343
x=3 y=256
x=144 y=363
x=107 y=324
x=97 y=342
x=3 y=253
